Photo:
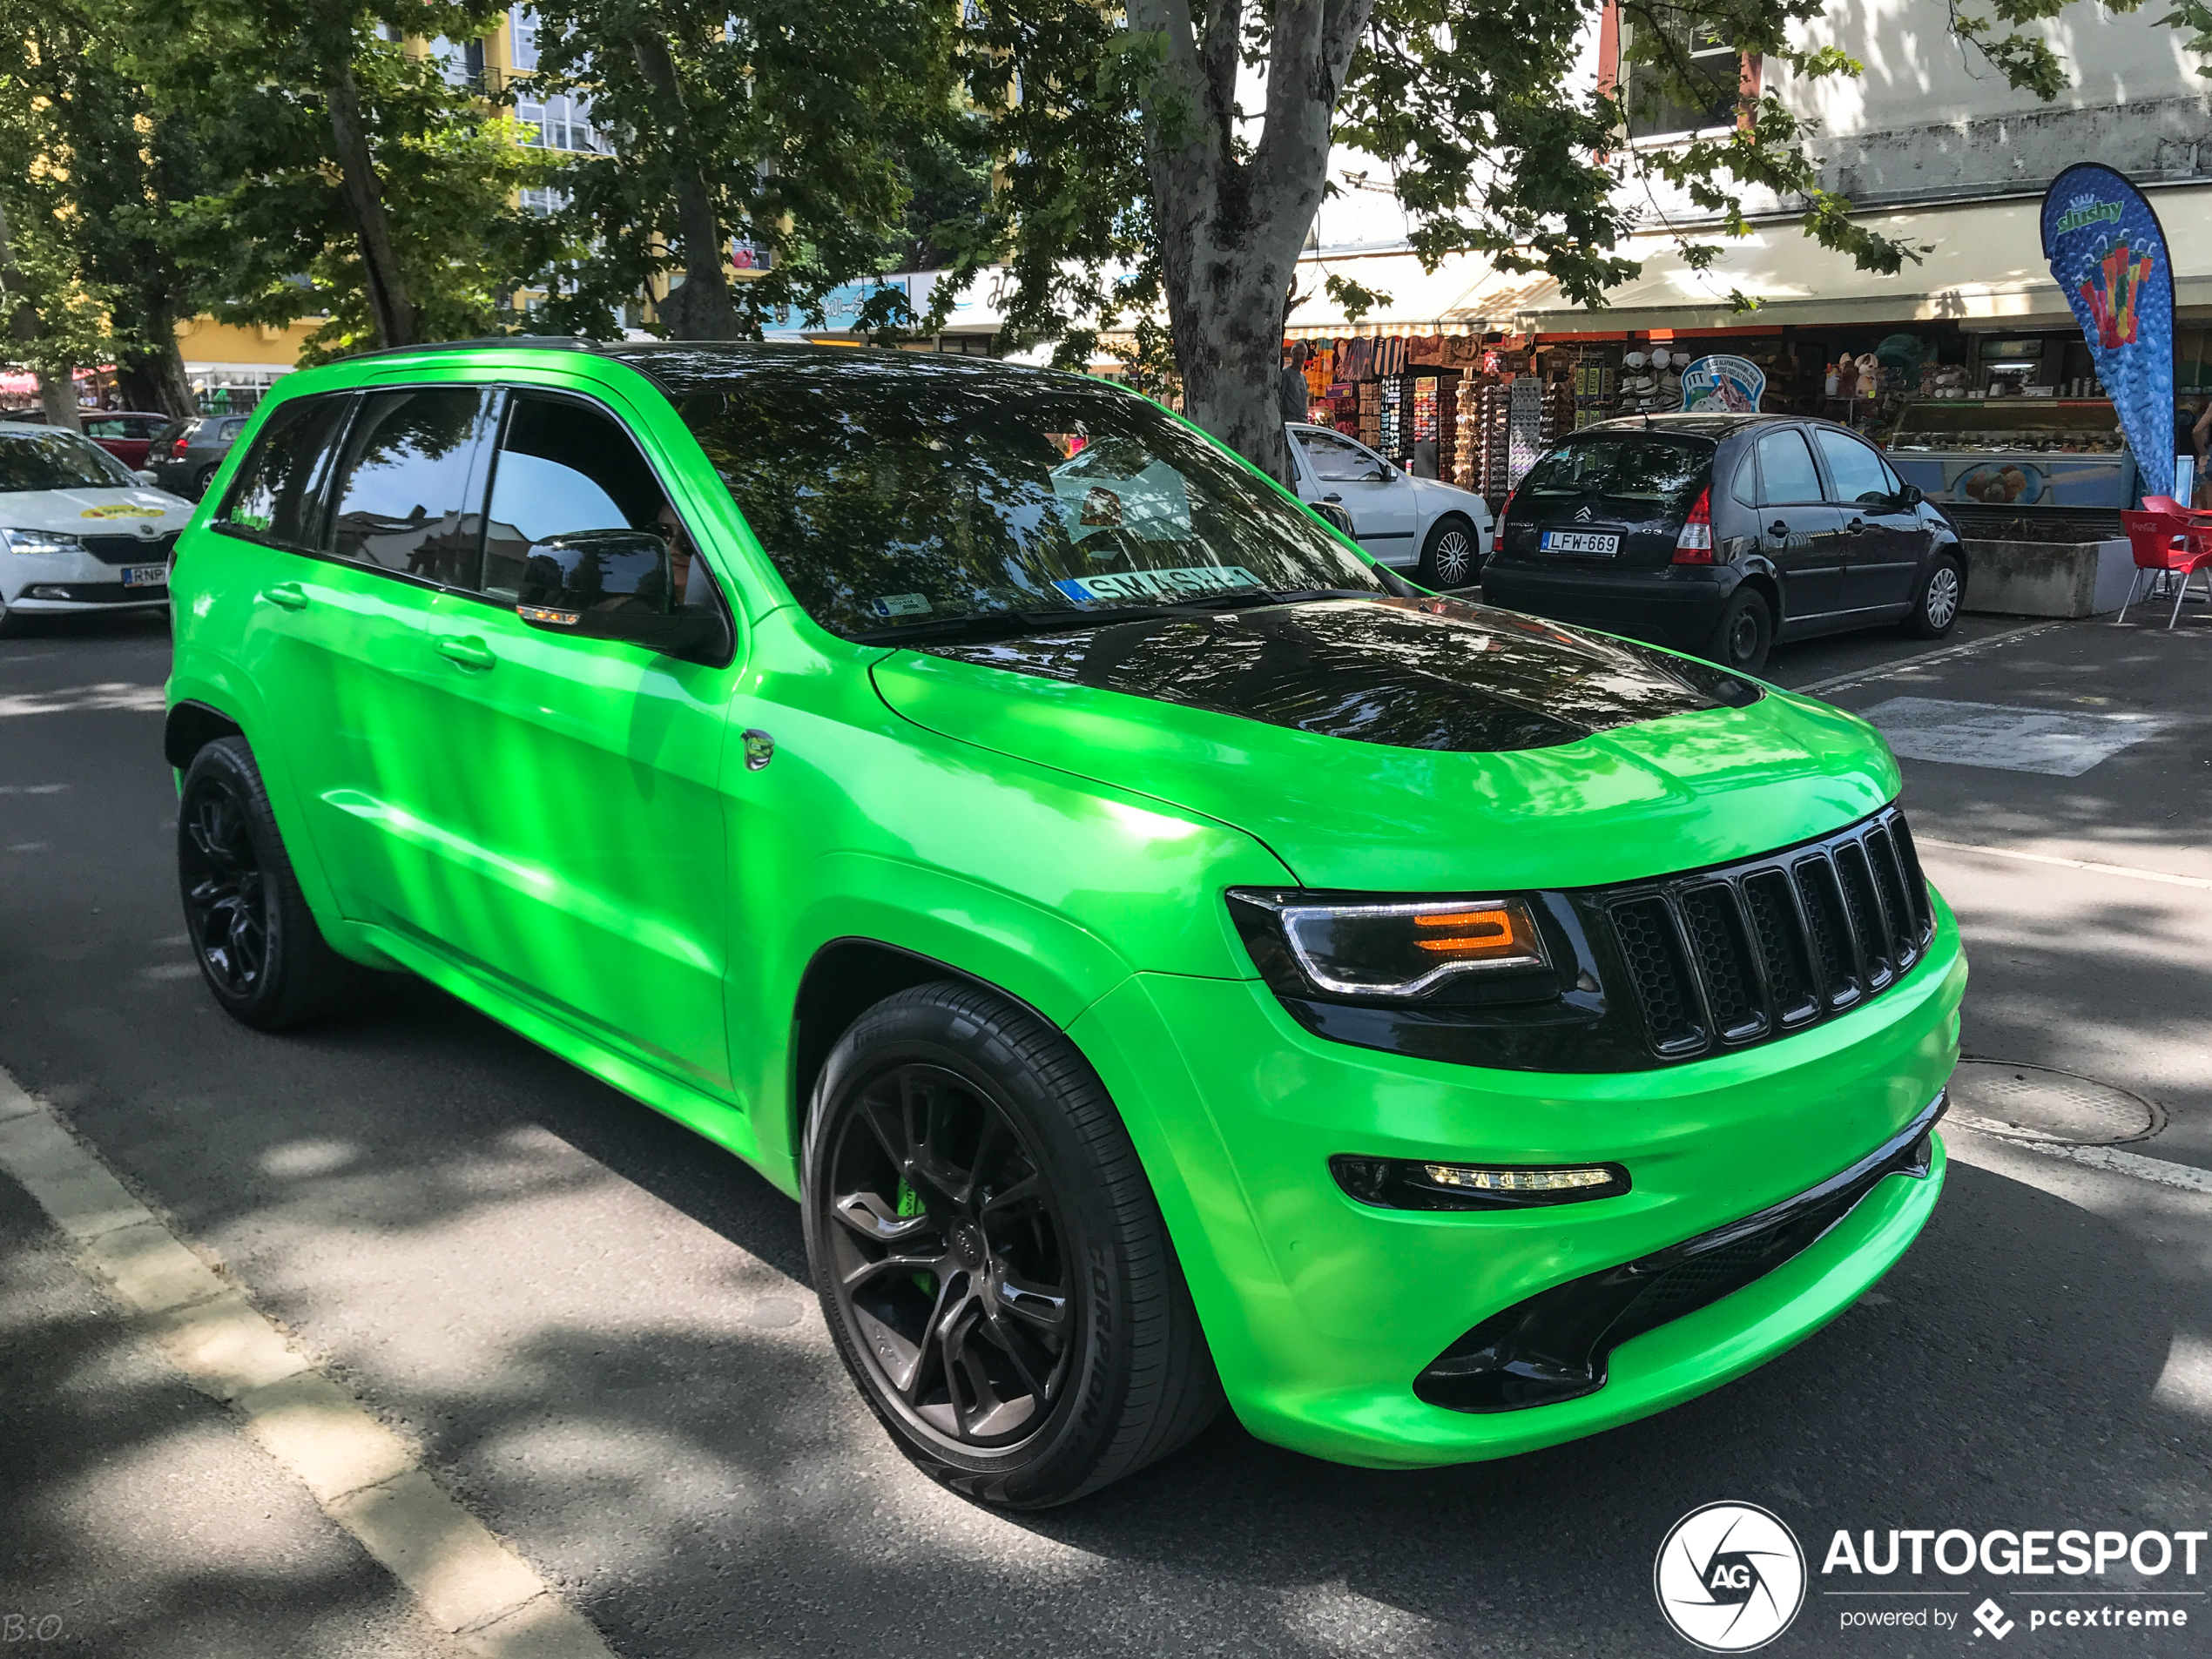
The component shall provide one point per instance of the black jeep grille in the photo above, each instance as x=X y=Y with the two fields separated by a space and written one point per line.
x=1725 y=957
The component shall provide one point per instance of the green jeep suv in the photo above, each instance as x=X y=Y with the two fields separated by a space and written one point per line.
x=1168 y=957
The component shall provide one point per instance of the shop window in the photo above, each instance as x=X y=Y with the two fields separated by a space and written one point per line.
x=1694 y=47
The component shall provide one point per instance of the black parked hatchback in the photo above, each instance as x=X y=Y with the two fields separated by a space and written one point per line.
x=1720 y=534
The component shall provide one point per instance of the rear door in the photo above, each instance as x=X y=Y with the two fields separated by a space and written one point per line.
x=1800 y=532
x=1883 y=538
x=1379 y=497
x=1615 y=498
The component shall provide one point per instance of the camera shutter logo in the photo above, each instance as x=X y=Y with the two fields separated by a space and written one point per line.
x=1730 y=1577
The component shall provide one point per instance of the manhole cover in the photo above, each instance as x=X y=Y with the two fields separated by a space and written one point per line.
x=2039 y=1103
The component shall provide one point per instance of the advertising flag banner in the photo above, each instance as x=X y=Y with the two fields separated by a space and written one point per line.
x=2108 y=255
x=1722 y=382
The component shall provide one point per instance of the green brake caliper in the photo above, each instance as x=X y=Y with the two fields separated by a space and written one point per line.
x=910 y=1204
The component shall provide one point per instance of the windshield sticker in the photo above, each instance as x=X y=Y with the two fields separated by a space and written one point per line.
x=1152 y=505
x=1125 y=587
x=900 y=604
x=124 y=510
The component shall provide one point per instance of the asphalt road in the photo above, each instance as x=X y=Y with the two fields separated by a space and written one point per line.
x=595 y=1326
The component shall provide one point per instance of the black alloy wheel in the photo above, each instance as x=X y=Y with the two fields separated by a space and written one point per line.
x=950 y=1255
x=259 y=950
x=226 y=899
x=1452 y=557
x=1941 y=596
x=1744 y=633
x=991 y=1262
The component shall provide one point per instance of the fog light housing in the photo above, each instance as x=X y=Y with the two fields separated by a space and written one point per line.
x=47 y=590
x=1418 y=1183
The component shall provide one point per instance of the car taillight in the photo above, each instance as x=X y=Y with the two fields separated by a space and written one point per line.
x=1498 y=529
x=1695 y=544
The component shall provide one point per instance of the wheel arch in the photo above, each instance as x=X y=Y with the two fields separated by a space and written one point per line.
x=1761 y=580
x=191 y=726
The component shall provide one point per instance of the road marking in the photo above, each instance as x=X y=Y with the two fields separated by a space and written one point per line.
x=2197 y=881
x=1942 y=653
x=2186 y=1177
x=360 y=1474
x=2057 y=742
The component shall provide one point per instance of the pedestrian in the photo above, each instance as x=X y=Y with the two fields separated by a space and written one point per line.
x=1295 y=397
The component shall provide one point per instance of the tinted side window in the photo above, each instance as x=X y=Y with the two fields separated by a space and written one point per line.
x=564 y=469
x=1745 y=489
x=279 y=490
x=411 y=480
x=1860 y=478
x=1786 y=471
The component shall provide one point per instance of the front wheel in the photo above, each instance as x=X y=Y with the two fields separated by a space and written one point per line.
x=1936 y=605
x=990 y=1260
x=1452 y=557
x=259 y=950
x=1744 y=633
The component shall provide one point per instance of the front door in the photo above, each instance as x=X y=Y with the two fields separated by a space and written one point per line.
x=576 y=808
x=1884 y=537
x=1799 y=531
x=1378 y=496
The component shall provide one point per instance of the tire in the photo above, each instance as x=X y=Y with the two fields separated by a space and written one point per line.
x=1452 y=557
x=1937 y=603
x=263 y=957
x=962 y=1141
x=1744 y=633
x=200 y=480
x=13 y=624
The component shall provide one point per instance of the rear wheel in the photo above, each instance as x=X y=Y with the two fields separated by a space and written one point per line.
x=200 y=480
x=259 y=950
x=1452 y=557
x=989 y=1257
x=1744 y=633
x=1938 y=600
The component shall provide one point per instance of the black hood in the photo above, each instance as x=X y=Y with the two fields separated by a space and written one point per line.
x=1410 y=673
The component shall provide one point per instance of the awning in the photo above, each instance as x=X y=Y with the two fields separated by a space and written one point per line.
x=1985 y=268
x=1463 y=296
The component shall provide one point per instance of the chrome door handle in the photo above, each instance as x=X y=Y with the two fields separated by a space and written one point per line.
x=469 y=651
x=290 y=595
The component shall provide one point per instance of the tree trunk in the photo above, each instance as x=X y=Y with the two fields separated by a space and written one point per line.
x=701 y=309
x=57 y=393
x=1231 y=228
x=388 y=306
x=155 y=380
x=58 y=396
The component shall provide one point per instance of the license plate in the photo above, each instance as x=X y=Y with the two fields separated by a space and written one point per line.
x=145 y=576
x=1580 y=542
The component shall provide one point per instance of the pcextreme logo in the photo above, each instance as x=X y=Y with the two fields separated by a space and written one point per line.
x=1730 y=1577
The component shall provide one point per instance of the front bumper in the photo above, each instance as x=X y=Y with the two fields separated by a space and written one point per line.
x=1323 y=1312
x=1675 y=605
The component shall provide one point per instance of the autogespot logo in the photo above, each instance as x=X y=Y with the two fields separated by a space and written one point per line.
x=1730 y=1577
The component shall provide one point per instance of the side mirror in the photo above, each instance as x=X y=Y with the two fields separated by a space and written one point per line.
x=1911 y=496
x=147 y=479
x=614 y=585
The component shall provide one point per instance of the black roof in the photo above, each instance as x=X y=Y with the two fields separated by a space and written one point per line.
x=1701 y=425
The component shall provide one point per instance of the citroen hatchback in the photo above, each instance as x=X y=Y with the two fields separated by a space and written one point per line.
x=1167 y=956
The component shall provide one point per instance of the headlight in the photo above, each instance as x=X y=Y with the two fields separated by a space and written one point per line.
x=18 y=540
x=1394 y=949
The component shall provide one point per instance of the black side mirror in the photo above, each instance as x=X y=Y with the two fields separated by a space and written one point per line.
x=1911 y=496
x=614 y=585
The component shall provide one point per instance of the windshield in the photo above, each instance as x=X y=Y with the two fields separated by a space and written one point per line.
x=57 y=461
x=909 y=496
x=1665 y=471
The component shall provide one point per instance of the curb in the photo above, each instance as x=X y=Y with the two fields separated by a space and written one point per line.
x=360 y=1474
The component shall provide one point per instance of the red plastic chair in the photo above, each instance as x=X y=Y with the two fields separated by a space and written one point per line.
x=2167 y=544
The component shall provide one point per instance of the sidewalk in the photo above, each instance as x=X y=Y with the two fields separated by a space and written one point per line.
x=2080 y=743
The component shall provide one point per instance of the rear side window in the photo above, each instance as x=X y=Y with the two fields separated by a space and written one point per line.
x=1859 y=475
x=1786 y=472
x=1650 y=469
x=408 y=482
x=278 y=492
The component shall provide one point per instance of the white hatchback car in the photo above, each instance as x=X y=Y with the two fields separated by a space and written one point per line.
x=79 y=531
x=1437 y=529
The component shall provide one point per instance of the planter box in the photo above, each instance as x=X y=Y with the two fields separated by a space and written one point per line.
x=2048 y=578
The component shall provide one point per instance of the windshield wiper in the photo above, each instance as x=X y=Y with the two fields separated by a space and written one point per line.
x=1009 y=624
